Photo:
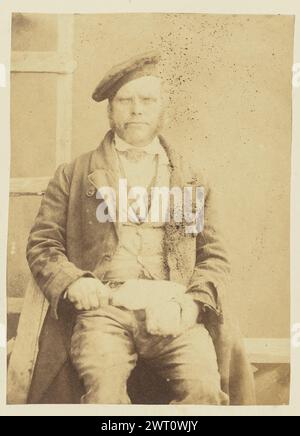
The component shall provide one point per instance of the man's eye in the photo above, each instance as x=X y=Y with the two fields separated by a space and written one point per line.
x=149 y=101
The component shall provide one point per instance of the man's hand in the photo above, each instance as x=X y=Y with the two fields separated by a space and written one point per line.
x=88 y=294
x=173 y=317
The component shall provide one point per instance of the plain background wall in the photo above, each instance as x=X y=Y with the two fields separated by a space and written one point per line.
x=230 y=114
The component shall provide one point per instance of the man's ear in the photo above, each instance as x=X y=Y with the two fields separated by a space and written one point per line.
x=166 y=117
x=110 y=113
x=109 y=108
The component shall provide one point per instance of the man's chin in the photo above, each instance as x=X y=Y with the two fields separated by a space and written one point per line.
x=137 y=130
x=137 y=138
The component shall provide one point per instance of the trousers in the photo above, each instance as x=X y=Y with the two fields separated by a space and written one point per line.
x=107 y=342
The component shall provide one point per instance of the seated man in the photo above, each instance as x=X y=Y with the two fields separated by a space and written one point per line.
x=140 y=288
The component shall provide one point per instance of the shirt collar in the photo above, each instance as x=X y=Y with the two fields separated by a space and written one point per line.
x=153 y=148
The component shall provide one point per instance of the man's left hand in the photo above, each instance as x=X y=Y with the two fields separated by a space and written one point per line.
x=172 y=317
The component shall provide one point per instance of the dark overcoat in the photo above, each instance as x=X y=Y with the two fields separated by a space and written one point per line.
x=67 y=242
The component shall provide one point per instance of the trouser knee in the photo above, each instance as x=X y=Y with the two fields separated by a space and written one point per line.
x=105 y=391
x=199 y=392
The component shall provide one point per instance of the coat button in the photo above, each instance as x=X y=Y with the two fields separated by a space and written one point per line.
x=91 y=191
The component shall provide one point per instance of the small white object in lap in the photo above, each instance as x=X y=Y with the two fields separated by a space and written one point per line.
x=137 y=294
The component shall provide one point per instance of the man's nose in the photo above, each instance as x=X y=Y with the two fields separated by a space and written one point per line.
x=136 y=108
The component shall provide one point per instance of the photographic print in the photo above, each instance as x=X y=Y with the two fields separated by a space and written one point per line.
x=148 y=255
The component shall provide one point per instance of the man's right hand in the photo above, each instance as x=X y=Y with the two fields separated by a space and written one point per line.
x=88 y=293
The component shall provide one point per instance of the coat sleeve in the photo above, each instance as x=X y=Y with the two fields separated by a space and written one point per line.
x=46 y=248
x=210 y=277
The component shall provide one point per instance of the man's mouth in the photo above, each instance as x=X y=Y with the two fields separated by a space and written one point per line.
x=136 y=123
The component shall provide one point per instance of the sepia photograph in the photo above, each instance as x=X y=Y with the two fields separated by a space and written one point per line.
x=148 y=250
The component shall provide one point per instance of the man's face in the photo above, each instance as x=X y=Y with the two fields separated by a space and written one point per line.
x=136 y=111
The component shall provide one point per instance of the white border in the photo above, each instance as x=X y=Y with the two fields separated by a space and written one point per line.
x=283 y=7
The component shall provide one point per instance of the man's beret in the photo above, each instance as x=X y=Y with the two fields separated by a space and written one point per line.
x=138 y=66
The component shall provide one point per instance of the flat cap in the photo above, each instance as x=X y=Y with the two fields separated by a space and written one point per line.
x=142 y=65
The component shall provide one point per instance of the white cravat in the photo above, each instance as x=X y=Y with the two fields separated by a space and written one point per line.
x=142 y=171
x=153 y=148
